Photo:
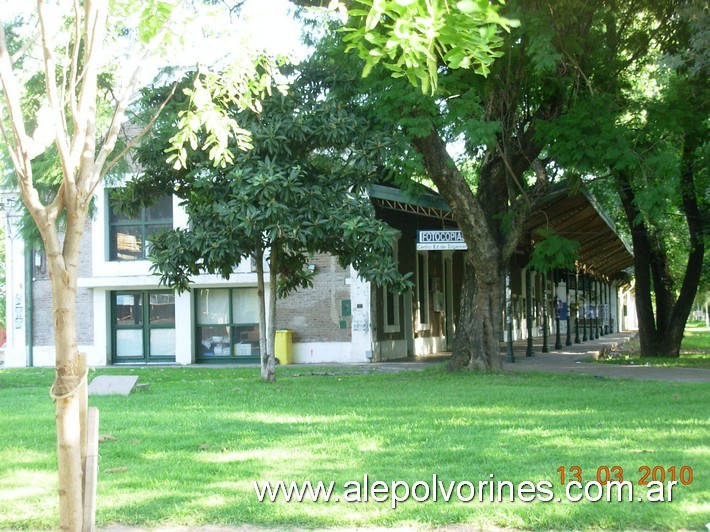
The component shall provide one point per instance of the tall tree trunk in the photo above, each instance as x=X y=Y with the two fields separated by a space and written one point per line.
x=476 y=342
x=642 y=262
x=478 y=328
x=661 y=334
x=63 y=271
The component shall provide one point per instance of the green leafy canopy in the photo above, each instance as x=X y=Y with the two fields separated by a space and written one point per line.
x=553 y=251
x=413 y=38
x=299 y=190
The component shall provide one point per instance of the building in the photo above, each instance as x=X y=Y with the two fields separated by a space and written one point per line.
x=125 y=316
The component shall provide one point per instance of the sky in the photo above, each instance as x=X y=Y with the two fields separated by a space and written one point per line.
x=273 y=28
x=265 y=24
x=211 y=36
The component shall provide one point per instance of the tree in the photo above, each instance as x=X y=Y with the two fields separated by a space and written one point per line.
x=679 y=119
x=3 y=291
x=298 y=191
x=563 y=53
x=411 y=38
x=73 y=47
x=649 y=148
x=533 y=82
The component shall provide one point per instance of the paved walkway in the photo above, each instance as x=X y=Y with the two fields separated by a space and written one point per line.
x=571 y=359
x=574 y=359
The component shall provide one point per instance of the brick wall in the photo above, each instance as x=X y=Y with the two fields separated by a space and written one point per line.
x=315 y=314
x=43 y=322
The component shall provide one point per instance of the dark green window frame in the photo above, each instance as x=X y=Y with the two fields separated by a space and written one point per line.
x=142 y=322
x=127 y=236
x=226 y=347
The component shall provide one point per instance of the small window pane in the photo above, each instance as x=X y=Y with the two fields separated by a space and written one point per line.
x=161 y=210
x=129 y=309
x=212 y=306
x=162 y=309
x=129 y=343
x=151 y=230
x=422 y=289
x=126 y=242
x=162 y=342
x=391 y=312
x=245 y=305
x=116 y=215
x=129 y=234
x=214 y=341
x=246 y=341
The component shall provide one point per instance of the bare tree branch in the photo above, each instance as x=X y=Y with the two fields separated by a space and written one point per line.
x=135 y=139
x=55 y=104
x=75 y=62
x=119 y=113
x=19 y=142
x=16 y=56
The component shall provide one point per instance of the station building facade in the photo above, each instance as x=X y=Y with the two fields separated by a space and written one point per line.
x=125 y=317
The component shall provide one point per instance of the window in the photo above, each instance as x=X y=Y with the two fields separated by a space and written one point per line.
x=227 y=323
x=128 y=236
x=423 y=288
x=143 y=332
x=391 y=303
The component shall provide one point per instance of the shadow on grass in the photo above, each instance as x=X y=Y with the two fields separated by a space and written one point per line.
x=187 y=451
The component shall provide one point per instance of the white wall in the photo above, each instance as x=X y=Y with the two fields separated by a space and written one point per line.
x=16 y=348
x=325 y=353
x=361 y=343
x=391 y=349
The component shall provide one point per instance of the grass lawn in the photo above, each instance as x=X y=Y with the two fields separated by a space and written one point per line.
x=696 y=338
x=695 y=351
x=185 y=452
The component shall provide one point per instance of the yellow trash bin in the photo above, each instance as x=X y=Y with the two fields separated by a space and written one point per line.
x=283 y=346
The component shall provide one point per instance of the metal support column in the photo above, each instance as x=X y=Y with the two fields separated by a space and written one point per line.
x=595 y=285
x=558 y=309
x=584 y=308
x=568 y=340
x=545 y=349
x=607 y=323
x=530 y=351
x=509 y=356
x=576 y=308
x=611 y=316
x=602 y=308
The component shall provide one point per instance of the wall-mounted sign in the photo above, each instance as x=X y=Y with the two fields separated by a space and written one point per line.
x=440 y=240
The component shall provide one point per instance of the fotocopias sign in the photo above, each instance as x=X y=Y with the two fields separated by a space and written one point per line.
x=440 y=240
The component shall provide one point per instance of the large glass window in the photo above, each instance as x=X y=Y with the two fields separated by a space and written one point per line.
x=128 y=236
x=227 y=323
x=143 y=326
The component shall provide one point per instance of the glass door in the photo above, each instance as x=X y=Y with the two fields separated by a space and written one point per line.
x=143 y=326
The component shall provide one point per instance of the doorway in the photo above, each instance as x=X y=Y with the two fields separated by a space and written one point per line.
x=142 y=327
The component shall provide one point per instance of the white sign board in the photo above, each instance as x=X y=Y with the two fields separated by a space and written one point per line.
x=440 y=240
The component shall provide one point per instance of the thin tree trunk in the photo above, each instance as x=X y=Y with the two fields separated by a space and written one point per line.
x=660 y=335
x=263 y=331
x=66 y=388
x=271 y=340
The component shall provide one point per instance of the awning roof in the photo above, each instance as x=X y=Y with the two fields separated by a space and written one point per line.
x=575 y=216
x=423 y=203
